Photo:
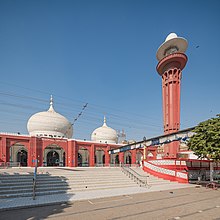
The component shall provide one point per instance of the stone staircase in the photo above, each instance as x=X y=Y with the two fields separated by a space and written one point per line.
x=152 y=180
x=18 y=182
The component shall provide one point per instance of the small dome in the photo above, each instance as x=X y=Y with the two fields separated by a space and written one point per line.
x=171 y=36
x=50 y=124
x=104 y=134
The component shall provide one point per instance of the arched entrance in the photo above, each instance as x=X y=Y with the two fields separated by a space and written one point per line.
x=114 y=159
x=22 y=157
x=52 y=159
x=99 y=157
x=18 y=155
x=54 y=155
x=127 y=157
x=139 y=157
x=84 y=157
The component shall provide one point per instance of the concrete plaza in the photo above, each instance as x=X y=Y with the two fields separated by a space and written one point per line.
x=185 y=203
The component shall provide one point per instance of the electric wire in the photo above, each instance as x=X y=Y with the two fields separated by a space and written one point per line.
x=69 y=108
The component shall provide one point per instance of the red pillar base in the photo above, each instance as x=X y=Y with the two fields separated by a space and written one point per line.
x=171 y=150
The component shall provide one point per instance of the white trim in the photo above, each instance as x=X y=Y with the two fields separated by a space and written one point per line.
x=159 y=169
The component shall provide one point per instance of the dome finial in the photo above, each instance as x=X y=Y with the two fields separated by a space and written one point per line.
x=51 y=100
x=51 y=104
x=104 y=124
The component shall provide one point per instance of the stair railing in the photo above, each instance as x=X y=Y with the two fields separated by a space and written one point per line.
x=35 y=180
x=139 y=179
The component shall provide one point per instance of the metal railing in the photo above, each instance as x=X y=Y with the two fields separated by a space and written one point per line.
x=35 y=180
x=139 y=179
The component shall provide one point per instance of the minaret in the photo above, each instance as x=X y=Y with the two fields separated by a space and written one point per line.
x=172 y=60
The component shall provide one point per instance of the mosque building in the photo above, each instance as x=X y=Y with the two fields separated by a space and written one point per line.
x=50 y=143
x=50 y=139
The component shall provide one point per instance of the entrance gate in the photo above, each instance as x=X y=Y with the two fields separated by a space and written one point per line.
x=53 y=158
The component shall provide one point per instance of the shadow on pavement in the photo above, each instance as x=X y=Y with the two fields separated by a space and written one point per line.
x=34 y=213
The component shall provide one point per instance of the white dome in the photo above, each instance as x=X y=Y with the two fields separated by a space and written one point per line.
x=50 y=124
x=104 y=134
x=171 y=36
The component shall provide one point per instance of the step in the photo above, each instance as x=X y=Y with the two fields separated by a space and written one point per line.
x=21 y=187
x=26 y=190
x=30 y=194
x=100 y=188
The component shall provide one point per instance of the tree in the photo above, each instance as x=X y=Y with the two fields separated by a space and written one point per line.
x=206 y=141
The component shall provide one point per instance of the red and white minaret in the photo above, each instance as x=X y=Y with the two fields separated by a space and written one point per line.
x=172 y=60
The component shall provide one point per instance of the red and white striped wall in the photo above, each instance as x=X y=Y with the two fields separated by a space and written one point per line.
x=173 y=170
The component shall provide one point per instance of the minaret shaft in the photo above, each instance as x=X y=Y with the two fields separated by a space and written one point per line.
x=171 y=100
x=170 y=68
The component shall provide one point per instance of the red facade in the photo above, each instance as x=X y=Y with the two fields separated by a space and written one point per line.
x=35 y=148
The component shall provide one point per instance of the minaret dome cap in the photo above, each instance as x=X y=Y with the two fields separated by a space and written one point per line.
x=172 y=44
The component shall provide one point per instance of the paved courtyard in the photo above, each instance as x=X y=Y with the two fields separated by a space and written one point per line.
x=186 y=203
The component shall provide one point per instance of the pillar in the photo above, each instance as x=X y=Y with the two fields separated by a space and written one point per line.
x=92 y=156
x=40 y=151
x=133 y=156
x=7 y=159
x=70 y=159
x=121 y=158
x=107 y=156
x=3 y=149
x=145 y=153
x=32 y=152
x=74 y=154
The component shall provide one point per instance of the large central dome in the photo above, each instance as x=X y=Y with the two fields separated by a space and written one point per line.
x=49 y=124
x=104 y=134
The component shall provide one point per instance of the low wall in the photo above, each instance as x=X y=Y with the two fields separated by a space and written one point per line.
x=167 y=169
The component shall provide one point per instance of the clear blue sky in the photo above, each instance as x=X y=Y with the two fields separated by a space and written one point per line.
x=104 y=53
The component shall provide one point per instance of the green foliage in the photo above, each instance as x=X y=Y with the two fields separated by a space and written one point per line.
x=206 y=141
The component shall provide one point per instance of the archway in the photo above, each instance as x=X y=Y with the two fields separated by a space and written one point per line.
x=84 y=160
x=18 y=154
x=54 y=155
x=53 y=158
x=139 y=157
x=114 y=159
x=22 y=157
x=127 y=157
x=99 y=156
